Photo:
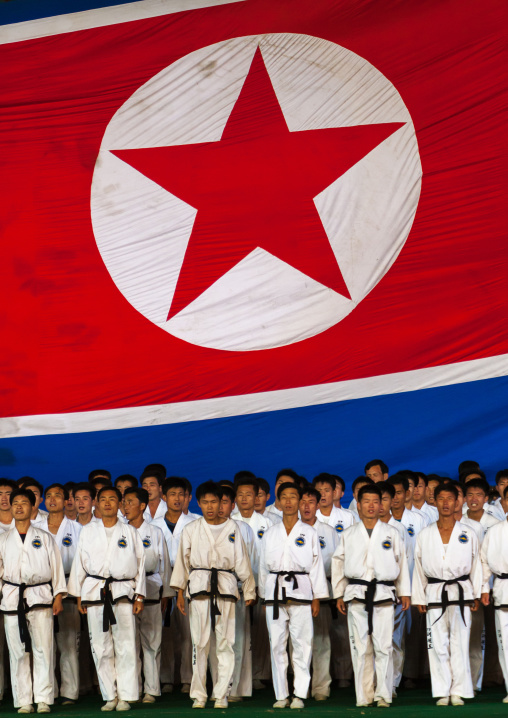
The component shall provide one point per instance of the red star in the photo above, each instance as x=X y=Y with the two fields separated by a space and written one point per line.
x=255 y=188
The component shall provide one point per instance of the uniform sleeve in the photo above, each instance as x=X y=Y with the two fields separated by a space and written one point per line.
x=243 y=568
x=419 y=579
x=58 y=581
x=165 y=564
x=339 y=581
x=476 y=567
x=486 y=570
x=140 y=579
x=403 y=582
x=254 y=559
x=78 y=574
x=262 y=572
x=180 y=574
x=317 y=573
x=2 y=548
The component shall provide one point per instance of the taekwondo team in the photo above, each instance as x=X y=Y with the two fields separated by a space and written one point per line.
x=120 y=585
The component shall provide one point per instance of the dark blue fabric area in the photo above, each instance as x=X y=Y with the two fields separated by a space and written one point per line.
x=22 y=10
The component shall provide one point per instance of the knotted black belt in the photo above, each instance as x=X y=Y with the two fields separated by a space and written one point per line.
x=445 y=601
x=369 y=595
x=22 y=609
x=502 y=576
x=288 y=576
x=214 y=590
x=108 y=616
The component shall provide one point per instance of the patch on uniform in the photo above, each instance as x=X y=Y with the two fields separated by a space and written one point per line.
x=122 y=543
x=146 y=542
x=261 y=533
x=339 y=527
x=463 y=538
x=322 y=542
x=411 y=530
x=232 y=537
x=36 y=543
x=387 y=544
x=67 y=540
x=300 y=541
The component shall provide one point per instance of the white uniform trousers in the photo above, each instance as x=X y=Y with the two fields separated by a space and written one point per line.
x=502 y=641
x=400 y=622
x=2 y=653
x=114 y=651
x=176 y=662
x=261 y=664
x=477 y=647
x=242 y=674
x=148 y=644
x=371 y=653
x=321 y=652
x=341 y=665
x=201 y=630
x=295 y=621
x=67 y=642
x=448 y=645
x=40 y=625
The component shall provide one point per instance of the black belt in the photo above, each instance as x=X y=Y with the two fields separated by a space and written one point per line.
x=214 y=590
x=502 y=576
x=22 y=609
x=445 y=601
x=369 y=595
x=288 y=576
x=108 y=616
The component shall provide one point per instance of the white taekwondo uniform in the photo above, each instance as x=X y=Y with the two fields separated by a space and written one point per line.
x=2 y=636
x=401 y=619
x=31 y=573
x=445 y=578
x=339 y=519
x=430 y=512
x=149 y=621
x=321 y=643
x=176 y=659
x=211 y=559
x=159 y=513
x=291 y=575
x=369 y=573
x=494 y=557
x=69 y=624
x=108 y=569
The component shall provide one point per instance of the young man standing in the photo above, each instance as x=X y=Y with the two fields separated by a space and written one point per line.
x=158 y=592
x=84 y=496
x=122 y=483
x=447 y=584
x=433 y=481
x=355 y=488
x=152 y=482
x=369 y=573
x=262 y=498
x=328 y=513
x=70 y=505
x=246 y=491
x=283 y=476
x=211 y=555
x=35 y=487
x=108 y=579
x=66 y=535
x=98 y=483
x=499 y=507
x=321 y=643
x=33 y=586
x=418 y=502
x=292 y=582
x=6 y=488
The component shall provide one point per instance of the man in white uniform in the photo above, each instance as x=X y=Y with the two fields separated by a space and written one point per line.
x=152 y=481
x=283 y=476
x=500 y=508
x=108 y=579
x=321 y=644
x=38 y=514
x=211 y=555
x=32 y=581
x=447 y=584
x=84 y=496
x=6 y=522
x=158 y=592
x=66 y=534
x=292 y=582
x=355 y=488
x=369 y=573
x=418 y=502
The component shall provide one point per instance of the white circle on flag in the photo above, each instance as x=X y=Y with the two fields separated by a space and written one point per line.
x=142 y=230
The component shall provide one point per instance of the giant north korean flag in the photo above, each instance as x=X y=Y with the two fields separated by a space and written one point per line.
x=252 y=234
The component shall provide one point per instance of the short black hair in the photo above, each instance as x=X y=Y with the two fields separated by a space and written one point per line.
x=263 y=485
x=28 y=481
x=457 y=484
x=127 y=477
x=477 y=484
x=21 y=491
x=324 y=478
x=360 y=480
x=243 y=475
x=386 y=488
x=155 y=470
x=109 y=488
x=248 y=481
x=503 y=474
x=465 y=474
x=339 y=480
x=188 y=486
x=152 y=475
x=468 y=467
x=9 y=482
x=225 y=482
x=399 y=479
x=173 y=482
x=369 y=489
x=376 y=462
x=57 y=486
x=142 y=494
x=311 y=491
x=227 y=492
x=86 y=486
x=99 y=473
x=208 y=487
x=449 y=486
x=101 y=481
x=70 y=486
x=434 y=477
x=287 y=472
x=422 y=476
x=289 y=485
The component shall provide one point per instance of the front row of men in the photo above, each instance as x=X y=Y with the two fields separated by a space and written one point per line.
x=120 y=575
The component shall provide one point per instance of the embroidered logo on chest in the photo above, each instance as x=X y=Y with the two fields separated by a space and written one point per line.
x=387 y=544
x=339 y=527
x=300 y=541
x=36 y=543
x=463 y=538
x=232 y=537
x=67 y=540
x=261 y=533
x=322 y=542
x=146 y=542
x=411 y=530
x=122 y=543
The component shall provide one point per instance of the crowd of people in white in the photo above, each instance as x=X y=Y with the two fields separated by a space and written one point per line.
x=120 y=584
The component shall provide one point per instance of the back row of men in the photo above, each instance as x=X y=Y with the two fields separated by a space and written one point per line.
x=228 y=589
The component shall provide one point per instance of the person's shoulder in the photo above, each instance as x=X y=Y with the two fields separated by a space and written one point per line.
x=325 y=529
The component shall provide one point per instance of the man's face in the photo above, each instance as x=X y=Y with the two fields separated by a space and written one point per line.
x=55 y=500
x=124 y=484
x=431 y=486
x=209 y=505
x=133 y=507
x=410 y=491
x=84 y=502
x=5 y=500
x=357 y=489
x=400 y=497
x=460 y=501
x=289 y=501
x=36 y=493
x=108 y=503
x=260 y=502
x=370 y=505
x=475 y=498
x=386 y=506
x=446 y=503
x=339 y=492
x=376 y=474
x=226 y=507
x=283 y=480
x=326 y=492
x=419 y=491
x=187 y=500
x=70 y=503
x=501 y=484
x=308 y=508
x=175 y=498
x=21 y=508
x=246 y=498
x=152 y=486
